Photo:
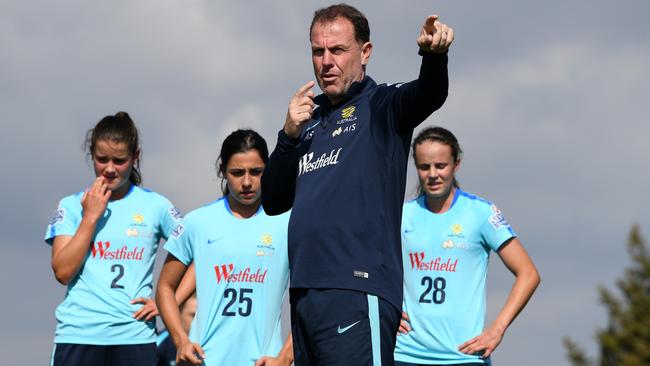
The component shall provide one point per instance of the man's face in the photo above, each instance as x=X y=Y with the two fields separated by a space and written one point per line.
x=338 y=58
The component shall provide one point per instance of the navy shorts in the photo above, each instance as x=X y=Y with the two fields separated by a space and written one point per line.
x=397 y=363
x=342 y=327
x=67 y=354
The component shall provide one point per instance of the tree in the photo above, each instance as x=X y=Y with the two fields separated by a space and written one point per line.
x=626 y=339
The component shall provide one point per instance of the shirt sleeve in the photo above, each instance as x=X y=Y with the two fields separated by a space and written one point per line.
x=495 y=229
x=65 y=220
x=179 y=243
x=170 y=219
x=416 y=100
x=279 y=178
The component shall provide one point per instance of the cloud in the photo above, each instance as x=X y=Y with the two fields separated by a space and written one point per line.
x=191 y=163
x=548 y=101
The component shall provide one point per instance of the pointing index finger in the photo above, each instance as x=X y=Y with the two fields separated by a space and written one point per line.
x=303 y=89
x=429 y=23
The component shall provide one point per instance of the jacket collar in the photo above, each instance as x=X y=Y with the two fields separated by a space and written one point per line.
x=358 y=87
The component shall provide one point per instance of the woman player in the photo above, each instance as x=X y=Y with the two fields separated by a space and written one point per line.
x=240 y=259
x=104 y=242
x=447 y=236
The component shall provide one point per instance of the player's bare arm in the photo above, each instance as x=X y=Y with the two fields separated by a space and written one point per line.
x=516 y=259
x=68 y=252
x=187 y=287
x=170 y=277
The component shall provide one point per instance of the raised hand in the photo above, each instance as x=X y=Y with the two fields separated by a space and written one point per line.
x=435 y=36
x=301 y=108
x=95 y=199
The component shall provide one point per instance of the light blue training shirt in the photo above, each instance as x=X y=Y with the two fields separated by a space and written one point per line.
x=242 y=272
x=117 y=269
x=445 y=260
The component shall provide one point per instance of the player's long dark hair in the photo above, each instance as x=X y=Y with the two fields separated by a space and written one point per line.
x=443 y=136
x=117 y=129
x=239 y=141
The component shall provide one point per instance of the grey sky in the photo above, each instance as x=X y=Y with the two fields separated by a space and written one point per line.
x=549 y=101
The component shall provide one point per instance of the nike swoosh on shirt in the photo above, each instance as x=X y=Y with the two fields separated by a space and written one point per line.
x=345 y=329
x=210 y=241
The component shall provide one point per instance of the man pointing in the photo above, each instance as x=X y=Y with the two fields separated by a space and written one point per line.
x=341 y=168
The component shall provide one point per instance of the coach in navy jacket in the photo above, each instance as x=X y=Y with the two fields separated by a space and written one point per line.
x=341 y=167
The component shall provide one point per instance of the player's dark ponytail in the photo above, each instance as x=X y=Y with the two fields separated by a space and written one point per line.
x=239 y=141
x=117 y=129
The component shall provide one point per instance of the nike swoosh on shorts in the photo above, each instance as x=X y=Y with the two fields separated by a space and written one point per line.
x=345 y=329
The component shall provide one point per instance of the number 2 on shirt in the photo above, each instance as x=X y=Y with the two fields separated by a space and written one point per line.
x=120 y=273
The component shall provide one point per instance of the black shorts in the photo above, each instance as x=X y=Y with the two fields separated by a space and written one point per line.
x=342 y=327
x=68 y=354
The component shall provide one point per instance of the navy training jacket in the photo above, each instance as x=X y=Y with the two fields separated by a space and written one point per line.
x=344 y=179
